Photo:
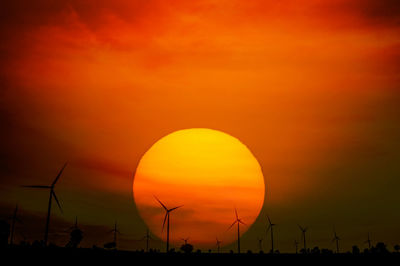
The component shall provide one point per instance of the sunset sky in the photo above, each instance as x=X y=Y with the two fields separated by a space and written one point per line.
x=311 y=88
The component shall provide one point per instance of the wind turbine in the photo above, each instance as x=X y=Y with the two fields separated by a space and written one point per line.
x=185 y=240
x=166 y=217
x=336 y=238
x=303 y=231
x=14 y=219
x=260 y=243
x=52 y=195
x=238 y=222
x=115 y=231
x=148 y=238
x=218 y=244
x=368 y=241
x=75 y=226
x=271 y=227
x=296 y=244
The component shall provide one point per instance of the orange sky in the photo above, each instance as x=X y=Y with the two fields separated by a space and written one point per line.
x=312 y=89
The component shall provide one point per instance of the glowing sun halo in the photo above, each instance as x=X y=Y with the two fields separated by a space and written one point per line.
x=207 y=171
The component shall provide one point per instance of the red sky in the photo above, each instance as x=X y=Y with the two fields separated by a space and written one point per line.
x=312 y=89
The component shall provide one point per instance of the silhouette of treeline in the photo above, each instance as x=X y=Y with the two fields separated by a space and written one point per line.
x=51 y=254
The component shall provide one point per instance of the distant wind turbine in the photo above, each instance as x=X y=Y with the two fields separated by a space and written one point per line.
x=296 y=244
x=303 y=233
x=218 y=244
x=336 y=238
x=14 y=219
x=75 y=226
x=238 y=222
x=271 y=227
x=148 y=238
x=185 y=240
x=260 y=240
x=115 y=231
x=368 y=241
x=166 y=218
x=52 y=195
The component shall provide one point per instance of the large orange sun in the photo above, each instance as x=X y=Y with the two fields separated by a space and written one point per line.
x=209 y=172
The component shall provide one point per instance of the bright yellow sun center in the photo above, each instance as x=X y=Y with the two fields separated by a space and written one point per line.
x=209 y=172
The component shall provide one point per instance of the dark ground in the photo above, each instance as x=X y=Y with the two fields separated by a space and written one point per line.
x=34 y=256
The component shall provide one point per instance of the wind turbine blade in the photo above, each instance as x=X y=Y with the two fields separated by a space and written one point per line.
x=237 y=217
x=240 y=221
x=37 y=186
x=269 y=227
x=59 y=174
x=170 y=210
x=269 y=220
x=301 y=228
x=161 y=203
x=58 y=203
x=165 y=218
x=231 y=225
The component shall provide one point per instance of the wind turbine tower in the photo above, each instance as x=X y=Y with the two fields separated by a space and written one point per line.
x=271 y=228
x=238 y=222
x=166 y=218
x=336 y=238
x=52 y=195
x=303 y=233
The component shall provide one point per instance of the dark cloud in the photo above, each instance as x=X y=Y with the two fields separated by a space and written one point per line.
x=105 y=166
x=370 y=13
x=384 y=12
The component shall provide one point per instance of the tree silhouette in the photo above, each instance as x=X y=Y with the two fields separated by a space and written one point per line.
x=397 y=247
x=381 y=248
x=315 y=250
x=355 y=250
x=76 y=237
x=187 y=248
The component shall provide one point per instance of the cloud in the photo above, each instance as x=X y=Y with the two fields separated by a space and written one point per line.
x=375 y=13
x=104 y=166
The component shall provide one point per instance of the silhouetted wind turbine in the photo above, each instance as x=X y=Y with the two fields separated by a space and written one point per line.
x=166 y=217
x=115 y=231
x=75 y=226
x=296 y=244
x=336 y=238
x=185 y=240
x=52 y=195
x=271 y=227
x=238 y=222
x=368 y=241
x=147 y=237
x=218 y=244
x=14 y=219
x=260 y=243
x=303 y=231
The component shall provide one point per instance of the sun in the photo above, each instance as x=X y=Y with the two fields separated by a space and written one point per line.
x=209 y=172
